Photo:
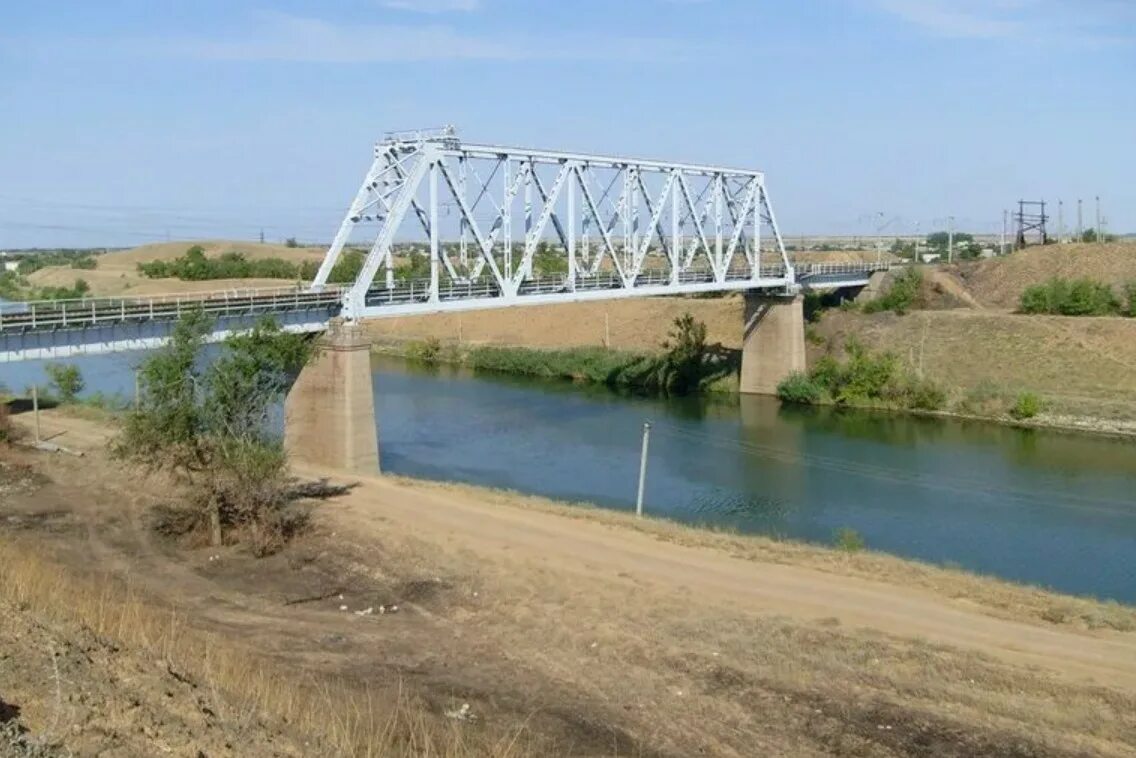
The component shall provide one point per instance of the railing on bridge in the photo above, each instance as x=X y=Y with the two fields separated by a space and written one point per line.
x=92 y=311
x=64 y=314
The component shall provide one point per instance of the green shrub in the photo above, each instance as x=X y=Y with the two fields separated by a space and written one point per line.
x=196 y=266
x=799 y=388
x=864 y=376
x=428 y=350
x=902 y=296
x=984 y=398
x=1065 y=297
x=924 y=395
x=209 y=426
x=1026 y=406
x=849 y=540
x=66 y=380
x=1130 y=296
x=548 y=262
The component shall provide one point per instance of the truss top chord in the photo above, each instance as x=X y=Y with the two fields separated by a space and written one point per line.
x=448 y=141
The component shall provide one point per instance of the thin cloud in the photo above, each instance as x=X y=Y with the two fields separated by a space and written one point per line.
x=1050 y=21
x=432 y=6
x=952 y=19
x=287 y=38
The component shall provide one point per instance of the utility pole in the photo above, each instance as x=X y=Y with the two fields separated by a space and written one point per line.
x=1080 y=221
x=1099 y=238
x=262 y=236
x=643 y=470
x=1060 y=222
x=1005 y=223
x=950 y=239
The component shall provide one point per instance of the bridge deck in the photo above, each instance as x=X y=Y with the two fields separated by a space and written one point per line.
x=61 y=328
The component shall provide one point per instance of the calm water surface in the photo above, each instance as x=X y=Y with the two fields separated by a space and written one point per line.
x=1047 y=508
x=1041 y=507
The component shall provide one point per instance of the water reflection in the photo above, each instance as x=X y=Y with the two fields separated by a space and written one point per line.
x=1048 y=508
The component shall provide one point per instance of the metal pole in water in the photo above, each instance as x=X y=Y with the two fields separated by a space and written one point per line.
x=35 y=411
x=643 y=469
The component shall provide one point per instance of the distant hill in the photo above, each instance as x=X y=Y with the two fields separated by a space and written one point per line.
x=117 y=272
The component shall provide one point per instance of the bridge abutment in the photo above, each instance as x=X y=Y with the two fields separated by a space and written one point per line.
x=329 y=415
x=774 y=342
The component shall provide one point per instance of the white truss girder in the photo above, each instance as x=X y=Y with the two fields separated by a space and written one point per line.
x=561 y=201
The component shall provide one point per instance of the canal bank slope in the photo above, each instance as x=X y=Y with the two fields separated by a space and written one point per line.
x=962 y=335
x=585 y=633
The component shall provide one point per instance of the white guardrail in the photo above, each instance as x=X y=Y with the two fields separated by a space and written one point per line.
x=51 y=314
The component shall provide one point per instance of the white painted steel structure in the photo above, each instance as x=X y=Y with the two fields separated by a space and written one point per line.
x=622 y=227
x=618 y=227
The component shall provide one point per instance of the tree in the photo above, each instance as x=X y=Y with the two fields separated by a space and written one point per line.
x=291 y=242
x=208 y=428
x=683 y=366
x=66 y=380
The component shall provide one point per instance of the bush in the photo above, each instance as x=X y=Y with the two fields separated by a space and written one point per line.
x=986 y=398
x=548 y=262
x=902 y=296
x=196 y=266
x=1064 y=297
x=864 y=376
x=66 y=379
x=426 y=351
x=682 y=367
x=924 y=395
x=7 y=431
x=1130 y=295
x=1026 y=406
x=799 y=388
x=209 y=429
x=849 y=540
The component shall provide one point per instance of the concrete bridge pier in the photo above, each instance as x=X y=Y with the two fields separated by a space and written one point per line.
x=774 y=342
x=329 y=414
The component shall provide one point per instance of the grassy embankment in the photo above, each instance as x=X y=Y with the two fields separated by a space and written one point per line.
x=927 y=344
x=317 y=709
x=684 y=364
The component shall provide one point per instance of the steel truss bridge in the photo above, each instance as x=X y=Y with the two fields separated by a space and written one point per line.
x=499 y=227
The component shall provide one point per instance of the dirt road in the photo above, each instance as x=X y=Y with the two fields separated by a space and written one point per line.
x=579 y=547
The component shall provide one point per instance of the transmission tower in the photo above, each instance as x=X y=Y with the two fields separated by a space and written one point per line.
x=1031 y=220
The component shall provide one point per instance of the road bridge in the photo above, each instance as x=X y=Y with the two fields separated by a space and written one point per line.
x=498 y=227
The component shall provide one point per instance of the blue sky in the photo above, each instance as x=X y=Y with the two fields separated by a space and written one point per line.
x=125 y=121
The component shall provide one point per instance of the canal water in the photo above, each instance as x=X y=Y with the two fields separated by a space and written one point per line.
x=1046 y=508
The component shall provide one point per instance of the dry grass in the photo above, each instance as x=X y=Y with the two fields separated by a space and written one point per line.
x=334 y=717
x=999 y=282
x=632 y=324
x=1000 y=598
x=117 y=273
x=167 y=251
x=693 y=675
x=1081 y=366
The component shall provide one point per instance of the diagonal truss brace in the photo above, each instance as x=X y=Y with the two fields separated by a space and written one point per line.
x=716 y=217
